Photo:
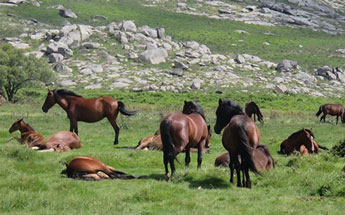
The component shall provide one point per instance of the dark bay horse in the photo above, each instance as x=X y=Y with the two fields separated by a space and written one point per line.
x=261 y=156
x=86 y=109
x=90 y=168
x=28 y=135
x=180 y=132
x=333 y=110
x=240 y=138
x=302 y=141
x=253 y=109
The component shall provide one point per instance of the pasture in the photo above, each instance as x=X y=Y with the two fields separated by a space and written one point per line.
x=30 y=182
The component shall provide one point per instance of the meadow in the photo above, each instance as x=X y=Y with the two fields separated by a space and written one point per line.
x=30 y=182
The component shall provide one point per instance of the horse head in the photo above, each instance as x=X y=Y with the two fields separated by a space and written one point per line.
x=309 y=141
x=225 y=111
x=16 y=125
x=193 y=107
x=49 y=102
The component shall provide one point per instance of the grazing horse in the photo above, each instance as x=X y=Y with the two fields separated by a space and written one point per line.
x=90 y=168
x=253 y=109
x=86 y=109
x=240 y=138
x=261 y=156
x=333 y=110
x=28 y=135
x=180 y=132
x=302 y=141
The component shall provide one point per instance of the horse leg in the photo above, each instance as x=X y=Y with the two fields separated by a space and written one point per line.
x=231 y=167
x=238 y=171
x=187 y=159
x=323 y=117
x=73 y=126
x=113 y=123
x=166 y=160
x=247 y=183
x=337 y=120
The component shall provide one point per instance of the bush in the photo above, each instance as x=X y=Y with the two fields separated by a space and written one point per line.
x=18 y=71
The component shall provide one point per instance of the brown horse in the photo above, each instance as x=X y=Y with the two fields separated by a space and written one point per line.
x=261 y=156
x=333 y=110
x=302 y=141
x=240 y=137
x=90 y=168
x=253 y=109
x=181 y=132
x=28 y=135
x=62 y=141
x=86 y=109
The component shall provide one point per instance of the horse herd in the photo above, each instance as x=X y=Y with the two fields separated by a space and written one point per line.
x=178 y=132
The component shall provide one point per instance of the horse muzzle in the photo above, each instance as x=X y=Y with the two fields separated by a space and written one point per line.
x=45 y=110
x=217 y=130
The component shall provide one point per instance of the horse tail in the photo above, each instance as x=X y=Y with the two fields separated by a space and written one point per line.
x=167 y=140
x=323 y=147
x=116 y=174
x=260 y=116
x=124 y=111
x=320 y=111
x=246 y=150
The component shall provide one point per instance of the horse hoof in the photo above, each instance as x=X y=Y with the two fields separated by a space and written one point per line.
x=116 y=142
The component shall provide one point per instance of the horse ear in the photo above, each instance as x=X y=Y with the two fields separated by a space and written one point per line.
x=220 y=101
x=21 y=119
x=185 y=102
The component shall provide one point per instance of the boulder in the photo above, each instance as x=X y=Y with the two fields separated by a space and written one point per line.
x=286 y=65
x=91 y=45
x=55 y=57
x=68 y=13
x=61 y=68
x=196 y=84
x=281 y=88
x=161 y=33
x=240 y=59
x=57 y=47
x=128 y=26
x=154 y=56
x=67 y=83
x=148 y=31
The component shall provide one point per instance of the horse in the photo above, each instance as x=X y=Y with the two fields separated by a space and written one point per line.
x=261 y=156
x=90 y=168
x=253 y=109
x=180 y=132
x=28 y=135
x=240 y=137
x=62 y=141
x=333 y=110
x=89 y=110
x=302 y=141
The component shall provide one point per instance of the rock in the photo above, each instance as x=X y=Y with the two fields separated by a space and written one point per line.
x=161 y=33
x=91 y=45
x=61 y=68
x=154 y=56
x=180 y=65
x=281 y=88
x=196 y=84
x=66 y=29
x=225 y=11
x=128 y=26
x=326 y=72
x=91 y=68
x=68 y=13
x=67 y=83
x=57 y=47
x=118 y=85
x=241 y=32
x=100 y=17
x=17 y=2
x=175 y=71
x=93 y=86
x=341 y=51
x=191 y=45
x=55 y=57
x=148 y=31
x=286 y=65
x=240 y=59
x=132 y=55
x=36 y=3
x=85 y=31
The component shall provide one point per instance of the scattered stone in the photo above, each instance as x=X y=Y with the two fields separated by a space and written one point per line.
x=61 y=68
x=68 y=13
x=161 y=33
x=281 y=88
x=240 y=59
x=286 y=65
x=128 y=26
x=196 y=84
x=91 y=45
x=55 y=57
x=93 y=86
x=67 y=83
x=154 y=56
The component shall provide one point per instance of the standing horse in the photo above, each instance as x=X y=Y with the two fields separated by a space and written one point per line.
x=302 y=141
x=86 y=109
x=240 y=137
x=261 y=156
x=180 y=132
x=90 y=168
x=253 y=109
x=333 y=110
x=28 y=135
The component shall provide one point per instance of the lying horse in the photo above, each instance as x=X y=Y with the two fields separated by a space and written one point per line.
x=302 y=141
x=261 y=156
x=28 y=135
x=333 y=110
x=252 y=109
x=90 y=168
x=240 y=138
x=180 y=132
x=86 y=109
x=151 y=142
x=62 y=141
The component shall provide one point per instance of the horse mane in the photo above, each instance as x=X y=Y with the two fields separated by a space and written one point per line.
x=234 y=106
x=63 y=92
x=199 y=109
x=296 y=133
x=29 y=125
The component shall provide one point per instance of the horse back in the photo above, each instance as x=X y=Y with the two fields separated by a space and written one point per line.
x=63 y=139
x=88 y=165
x=333 y=109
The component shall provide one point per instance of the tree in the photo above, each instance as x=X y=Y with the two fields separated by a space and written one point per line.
x=18 y=70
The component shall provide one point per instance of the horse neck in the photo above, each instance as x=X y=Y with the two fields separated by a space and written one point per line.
x=63 y=100
x=25 y=127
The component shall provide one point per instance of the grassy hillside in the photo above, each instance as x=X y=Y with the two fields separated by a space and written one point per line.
x=318 y=48
x=30 y=182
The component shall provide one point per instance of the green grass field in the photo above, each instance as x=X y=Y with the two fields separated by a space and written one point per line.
x=30 y=182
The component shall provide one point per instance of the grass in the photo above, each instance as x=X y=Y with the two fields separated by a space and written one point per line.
x=219 y=35
x=30 y=182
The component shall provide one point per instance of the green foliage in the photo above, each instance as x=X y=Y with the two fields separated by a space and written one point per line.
x=339 y=149
x=18 y=71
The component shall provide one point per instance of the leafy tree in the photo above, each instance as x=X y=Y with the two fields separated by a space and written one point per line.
x=18 y=70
